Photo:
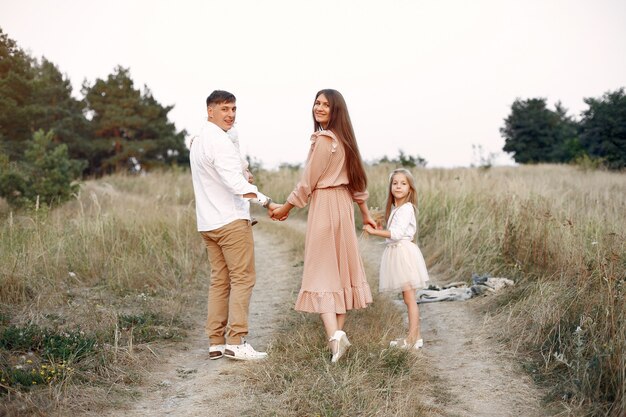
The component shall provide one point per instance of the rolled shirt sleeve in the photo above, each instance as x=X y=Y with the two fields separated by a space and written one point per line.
x=228 y=167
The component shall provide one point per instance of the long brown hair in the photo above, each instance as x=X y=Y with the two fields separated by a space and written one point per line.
x=410 y=198
x=341 y=126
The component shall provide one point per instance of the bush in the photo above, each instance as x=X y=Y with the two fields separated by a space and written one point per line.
x=47 y=175
x=63 y=346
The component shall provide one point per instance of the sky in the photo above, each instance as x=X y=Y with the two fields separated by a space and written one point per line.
x=430 y=78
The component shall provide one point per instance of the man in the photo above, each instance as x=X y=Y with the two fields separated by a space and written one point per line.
x=223 y=214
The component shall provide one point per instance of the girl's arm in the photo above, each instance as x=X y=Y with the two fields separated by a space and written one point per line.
x=376 y=232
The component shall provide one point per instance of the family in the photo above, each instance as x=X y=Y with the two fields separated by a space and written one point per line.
x=333 y=279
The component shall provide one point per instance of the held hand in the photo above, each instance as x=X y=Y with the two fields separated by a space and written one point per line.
x=280 y=213
x=272 y=206
x=369 y=221
x=368 y=229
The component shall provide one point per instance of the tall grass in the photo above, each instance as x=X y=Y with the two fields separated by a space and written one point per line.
x=297 y=378
x=118 y=265
x=125 y=254
x=560 y=232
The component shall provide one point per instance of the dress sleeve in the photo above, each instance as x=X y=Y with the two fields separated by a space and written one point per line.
x=360 y=196
x=317 y=162
x=403 y=224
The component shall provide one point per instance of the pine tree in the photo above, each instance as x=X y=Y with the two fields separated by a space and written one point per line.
x=128 y=123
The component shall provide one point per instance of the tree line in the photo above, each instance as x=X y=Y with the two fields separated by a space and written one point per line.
x=45 y=129
x=533 y=133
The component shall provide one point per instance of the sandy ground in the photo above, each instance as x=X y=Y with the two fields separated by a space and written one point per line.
x=186 y=383
x=477 y=377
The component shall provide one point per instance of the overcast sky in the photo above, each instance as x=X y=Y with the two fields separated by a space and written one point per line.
x=431 y=78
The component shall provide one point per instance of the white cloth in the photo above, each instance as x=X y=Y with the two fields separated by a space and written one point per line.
x=218 y=180
x=402 y=223
x=234 y=137
x=402 y=266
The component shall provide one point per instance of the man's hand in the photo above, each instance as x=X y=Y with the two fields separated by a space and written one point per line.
x=280 y=212
x=271 y=207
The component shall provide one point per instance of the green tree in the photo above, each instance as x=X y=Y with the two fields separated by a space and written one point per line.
x=128 y=123
x=603 y=128
x=16 y=85
x=533 y=133
x=404 y=160
x=46 y=173
x=35 y=95
x=54 y=109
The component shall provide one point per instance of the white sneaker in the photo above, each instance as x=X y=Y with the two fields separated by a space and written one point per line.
x=216 y=351
x=243 y=352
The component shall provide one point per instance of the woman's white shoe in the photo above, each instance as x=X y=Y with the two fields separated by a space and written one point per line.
x=342 y=344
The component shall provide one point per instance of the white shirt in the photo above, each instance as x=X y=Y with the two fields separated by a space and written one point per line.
x=234 y=137
x=218 y=181
x=403 y=223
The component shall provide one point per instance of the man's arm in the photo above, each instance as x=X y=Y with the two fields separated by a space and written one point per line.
x=228 y=166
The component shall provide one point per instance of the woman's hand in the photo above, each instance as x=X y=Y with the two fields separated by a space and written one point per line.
x=368 y=220
x=368 y=229
x=279 y=212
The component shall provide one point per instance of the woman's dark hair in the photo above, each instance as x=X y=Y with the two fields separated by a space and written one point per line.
x=220 y=96
x=341 y=126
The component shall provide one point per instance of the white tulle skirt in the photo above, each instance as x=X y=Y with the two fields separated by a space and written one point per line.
x=402 y=267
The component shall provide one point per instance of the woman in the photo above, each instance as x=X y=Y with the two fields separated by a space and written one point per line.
x=333 y=279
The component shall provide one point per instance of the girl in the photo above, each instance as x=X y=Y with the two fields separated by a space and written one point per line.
x=402 y=267
x=333 y=280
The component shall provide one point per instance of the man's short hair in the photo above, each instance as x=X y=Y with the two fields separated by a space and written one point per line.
x=219 y=97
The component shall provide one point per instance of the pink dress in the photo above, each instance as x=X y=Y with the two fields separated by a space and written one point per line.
x=333 y=280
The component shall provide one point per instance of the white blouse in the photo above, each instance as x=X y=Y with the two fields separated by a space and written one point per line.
x=403 y=223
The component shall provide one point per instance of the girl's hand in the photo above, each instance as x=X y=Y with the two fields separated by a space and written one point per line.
x=368 y=229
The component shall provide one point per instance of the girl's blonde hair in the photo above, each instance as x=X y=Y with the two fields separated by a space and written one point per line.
x=411 y=197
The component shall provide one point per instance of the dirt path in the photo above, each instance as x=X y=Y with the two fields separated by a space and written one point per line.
x=476 y=376
x=186 y=383
x=480 y=378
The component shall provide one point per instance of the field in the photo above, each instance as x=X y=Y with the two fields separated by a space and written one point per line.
x=86 y=289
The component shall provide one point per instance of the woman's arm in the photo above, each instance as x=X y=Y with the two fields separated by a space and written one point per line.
x=365 y=213
x=282 y=212
x=317 y=161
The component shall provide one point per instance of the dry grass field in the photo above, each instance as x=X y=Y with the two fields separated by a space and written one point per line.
x=87 y=288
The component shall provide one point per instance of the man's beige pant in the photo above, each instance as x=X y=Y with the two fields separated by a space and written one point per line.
x=231 y=254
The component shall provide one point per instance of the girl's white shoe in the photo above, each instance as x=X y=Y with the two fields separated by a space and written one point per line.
x=403 y=344
x=342 y=344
